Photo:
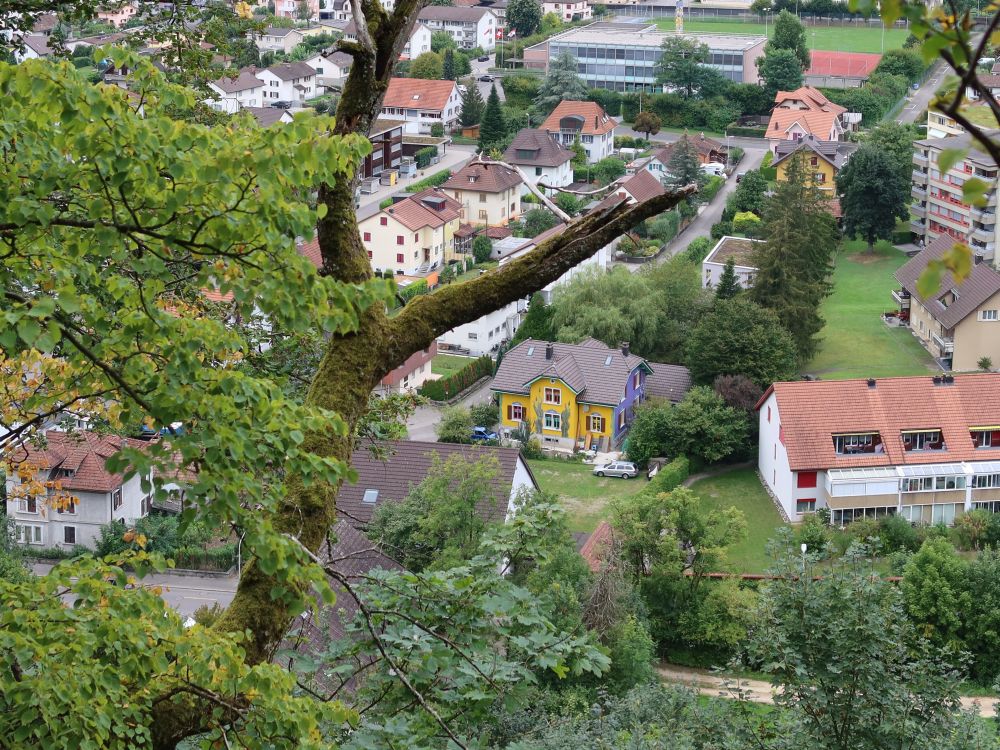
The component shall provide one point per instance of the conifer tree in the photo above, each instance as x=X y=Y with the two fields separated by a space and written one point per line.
x=448 y=65
x=729 y=285
x=491 y=128
x=472 y=104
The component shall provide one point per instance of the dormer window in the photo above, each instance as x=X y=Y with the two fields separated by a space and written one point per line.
x=922 y=440
x=853 y=443
x=985 y=437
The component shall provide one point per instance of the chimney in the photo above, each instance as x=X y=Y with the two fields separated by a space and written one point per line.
x=871 y=383
x=948 y=380
x=625 y=348
x=550 y=350
x=936 y=380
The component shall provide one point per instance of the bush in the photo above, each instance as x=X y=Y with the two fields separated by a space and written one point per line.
x=898 y=534
x=414 y=289
x=698 y=249
x=444 y=388
x=485 y=415
x=385 y=203
x=814 y=534
x=423 y=156
x=428 y=182
x=721 y=229
x=670 y=476
x=215 y=558
x=207 y=615
x=437 y=131
x=711 y=188
x=664 y=227
x=741 y=132
x=482 y=247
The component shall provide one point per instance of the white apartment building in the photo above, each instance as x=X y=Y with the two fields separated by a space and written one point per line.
x=469 y=27
x=61 y=494
x=925 y=448
x=578 y=10
x=233 y=94
x=421 y=104
x=288 y=82
x=485 y=334
x=278 y=40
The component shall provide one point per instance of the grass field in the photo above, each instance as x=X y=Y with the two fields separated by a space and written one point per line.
x=585 y=497
x=855 y=342
x=839 y=38
x=448 y=364
x=475 y=271
x=742 y=489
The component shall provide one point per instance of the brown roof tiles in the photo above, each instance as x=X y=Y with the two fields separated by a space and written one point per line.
x=77 y=459
x=593 y=119
x=417 y=93
x=483 y=178
x=536 y=148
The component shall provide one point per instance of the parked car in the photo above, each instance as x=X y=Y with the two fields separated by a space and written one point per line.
x=484 y=58
x=623 y=469
x=481 y=433
x=714 y=168
x=486 y=78
x=739 y=177
x=281 y=105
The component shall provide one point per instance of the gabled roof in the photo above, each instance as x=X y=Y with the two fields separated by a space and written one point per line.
x=291 y=71
x=267 y=116
x=428 y=208
x=597 y=373
x=406 y=466
x=835 y=153
x=82 y=453
x=818 y=117
x=483 y=178
x=417 y=93
x=593 y=119
x=39 y=43
x=536 y=148
x=811 y=413
x=447 y=13
x=704 y=146
x=275 y=31
x=596 y=546
x=640 y=186
x=981 y=284
x=245 y=81
x=671 y=382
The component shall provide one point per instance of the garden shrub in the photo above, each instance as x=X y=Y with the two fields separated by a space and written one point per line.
x=444 y=388
x=428 y=182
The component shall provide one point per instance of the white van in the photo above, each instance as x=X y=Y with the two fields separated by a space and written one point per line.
x=715 y=168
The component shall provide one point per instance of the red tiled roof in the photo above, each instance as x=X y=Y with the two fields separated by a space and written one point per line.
x=310 y=251
x=483 y=178
x=842 y=64
x=817 y=118
x=640 y=186
x=417 y=93
x=812 y=412
x=82 y=453
x=595 y=120
x=594 y=549
x=416 y=211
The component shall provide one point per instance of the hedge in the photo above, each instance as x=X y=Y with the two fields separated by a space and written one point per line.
x=423 y=156
x=669 y=477
x=744 y=132
x=385 y=204
x=444 y=388
x=428 y=182
x=212 y=558
x=410 y=291
x=711 y=189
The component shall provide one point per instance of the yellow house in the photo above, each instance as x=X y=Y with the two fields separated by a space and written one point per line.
x=489 y=194
x=579 y=396
x=821 y=160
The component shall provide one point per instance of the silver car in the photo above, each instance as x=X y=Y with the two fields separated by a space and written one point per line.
x=623 y=469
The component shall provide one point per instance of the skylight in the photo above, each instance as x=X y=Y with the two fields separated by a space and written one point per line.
x=370 y=497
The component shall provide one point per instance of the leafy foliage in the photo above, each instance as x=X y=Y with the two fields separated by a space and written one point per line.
x=780 y=70
x=444 y=388
x=873 y=194
x=682 y=64
x=648 y=123
x=482 y=248
x=524 y=16
x=562 y=83
x=429 y=65
x=789 y=34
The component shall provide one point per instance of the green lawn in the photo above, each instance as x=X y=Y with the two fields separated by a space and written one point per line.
x=584 y=496
x=473 y=273
x=742 y=489
x=448 y=364
x=855 y=343
x=839 y=38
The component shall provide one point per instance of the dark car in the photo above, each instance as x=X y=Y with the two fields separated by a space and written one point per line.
x=486 y=78
x=739 y=177
x=281 y=105
x=482 y=434
x=484 y=58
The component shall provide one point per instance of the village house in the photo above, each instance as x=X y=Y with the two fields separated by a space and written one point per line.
x=233 y=94
x=806 y=111
x=960 y=323
x=288 y=82
x=488 y=193
x=117 y=16
x=268 y=116
x=33 y=47
x=273 y=39
x=584 y=120
x=469 y=27
x=709 y=150
x=418 y=43
x=413 y=236
x=421 y=104
x=386 y=138
x=60 y=494
x=579 y=396
x=741 y=251
x=822 y=160
x=331 y=69
x=410 y=375
x=540 y=158
x=924 y=448
x=575 y=10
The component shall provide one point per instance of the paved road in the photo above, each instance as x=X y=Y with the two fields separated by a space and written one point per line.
x=185 y=593
x=420 y=425
x=759 y=691
x=916 y=106
x=481 y=68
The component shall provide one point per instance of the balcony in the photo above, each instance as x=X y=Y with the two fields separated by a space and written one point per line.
x=945 y=345
x=920 y=159
x=918 y=209
x=983 y=234
x=902 y=298
x=917 y=226
x=985 y=215
x=919 y=175
x=918 y=191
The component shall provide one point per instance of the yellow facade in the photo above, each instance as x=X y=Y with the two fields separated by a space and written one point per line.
x=551 y=409
x=820 y=174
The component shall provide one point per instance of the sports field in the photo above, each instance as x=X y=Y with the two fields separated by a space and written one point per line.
x=840 y=38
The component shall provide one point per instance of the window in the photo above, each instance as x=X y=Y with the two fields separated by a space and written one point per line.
x=370 y=497
x=621 y=419
x=805 y=505
x=992 y=506
x=29 y=533
x=483 y=215
x=27 y=505
x=538 y=171
x=69 y=534
x=473 y=336
x=383 y=220
x=399 y=258
x=843 y=516
x=553 y=396
x=989 y=315
x=864 y=442
x=515 y=413
x=596 y=423
x=69 y=509
x=399 y=239
x=482 y=197
x=635 y=381
x=369 y=255
x=985 y=481
x=922 y=440
x=814 y=161
x=918 y=484
x=367 y=236
x=769 y=414
x=949 y=483
x=806 y=479
x=985 y=438
x=552 y=421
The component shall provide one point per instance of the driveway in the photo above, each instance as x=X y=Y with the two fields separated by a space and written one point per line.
x=454 y=159
x=917 y=105
x=482 y=68
x=420 y=425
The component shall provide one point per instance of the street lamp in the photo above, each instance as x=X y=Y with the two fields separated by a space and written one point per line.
x=804 y=548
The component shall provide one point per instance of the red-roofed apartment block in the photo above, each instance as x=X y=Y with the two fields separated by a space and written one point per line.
x=926 y=448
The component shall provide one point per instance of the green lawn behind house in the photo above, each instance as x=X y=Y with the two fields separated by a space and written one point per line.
x=855 y=343
x=474 y=272
x=585 y=497
x=742 y=489
x=448 y=364
x=838 y=38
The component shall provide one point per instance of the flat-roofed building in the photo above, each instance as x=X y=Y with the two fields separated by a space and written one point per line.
x=741 y=251
x=623 y=57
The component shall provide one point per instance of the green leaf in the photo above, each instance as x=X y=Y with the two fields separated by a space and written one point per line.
x=321 y=210
x=949 y=157
x=974 y=191
x=28 y=330
x=930 y=280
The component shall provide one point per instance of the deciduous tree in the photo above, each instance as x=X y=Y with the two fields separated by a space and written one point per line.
x=873 y=195
x=780 y=70
x=789 y=34
x=681 y=64
x=429 y=65
x=524 y=16
x=647 y=122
